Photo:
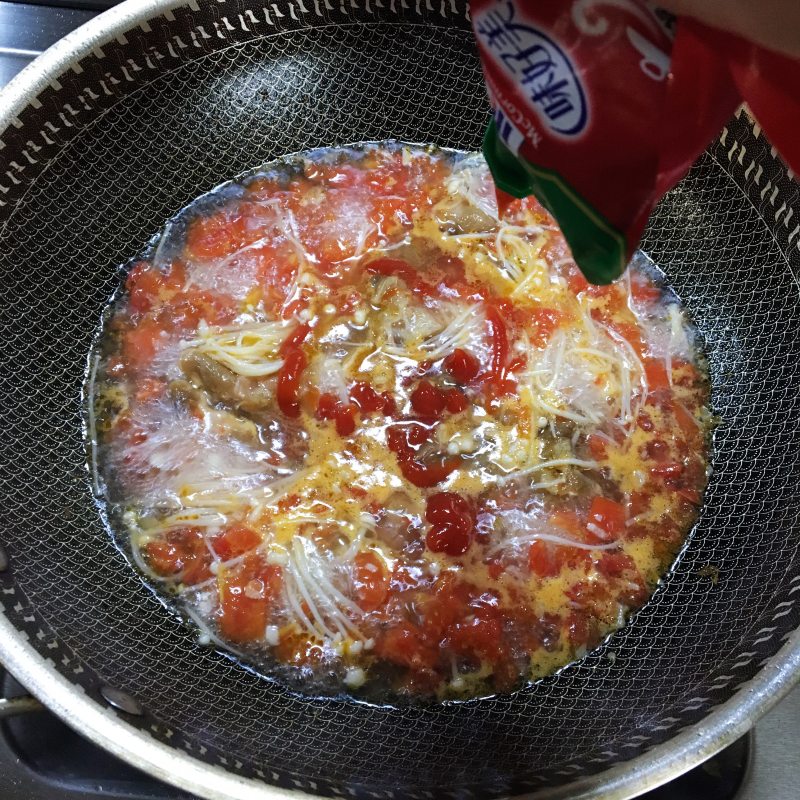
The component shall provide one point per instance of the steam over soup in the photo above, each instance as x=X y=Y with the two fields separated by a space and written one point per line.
x=374 y=439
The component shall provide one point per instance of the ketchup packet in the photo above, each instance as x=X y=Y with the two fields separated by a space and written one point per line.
x=602 y=106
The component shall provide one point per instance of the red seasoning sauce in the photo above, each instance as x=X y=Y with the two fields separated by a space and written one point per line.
x=377 y=440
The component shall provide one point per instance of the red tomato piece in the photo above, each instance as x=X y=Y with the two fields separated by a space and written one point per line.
x=181 y=552
x=461 y=365
x=569 y=522
x=671 y=469
x=597 y=446
x=543 y=560
x=149 y=389
x=235 y=541
x=366 y=398
x=631 y=333
x=215 y=235
x=445 y=506
x=295 y=338
x=370 y=581
x=544 y=322
x=687 y=422
x=405 y=644
x=581 y=629
x=428 y=400
x=644 y=290
x=607 y=515
x=576 y=281
x=481 y=636
x=345 y=420
x=656 y=373
x=456 y=401
x=449 y=538
x=452 y=521
x=144 y=283
x=689 y=495
x=615 y=565
x=246 y=594
x=498 y=337
x=289 y=375
x=141 y=343
x=430 y=473
x=327 y=406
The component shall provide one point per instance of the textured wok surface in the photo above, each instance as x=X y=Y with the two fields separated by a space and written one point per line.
x=165 y=116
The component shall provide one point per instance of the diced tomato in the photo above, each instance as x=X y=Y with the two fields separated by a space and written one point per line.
x=671 y=469
x=181 y=552
x=687 y=422
x=288 y=392
x=346 y=420
x=428 y=400
x=144 y=285
x=543 y=560
x=246 y=594
x=150 y=389
x=569 y=522
x=638 y=503
x=428 y=474
x=643 y=290
x=581 y=629
x=576 y=281
x=461 y=365
x=141 y=343
x=405 y=644
x=235 y=541
x=632 y=334
x=295 y=338
x=482 y=636
x=544 y=321
x=343 y=414
x=456 y=401
x=370 y=581
x=402 y=441
x=498 y=337
x=448 y=538
x=444 y=506
x=452 y=521
x=689 y=495
x=656 y=373
x=597 y=446
x=546 y=559
x=215 y=235
x=327 y=406
x=615 y=565
x=366 y=398
x=607 y=515
x=495 y=568
x=656 y=450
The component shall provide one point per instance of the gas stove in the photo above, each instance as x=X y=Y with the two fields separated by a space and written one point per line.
x=43 y=759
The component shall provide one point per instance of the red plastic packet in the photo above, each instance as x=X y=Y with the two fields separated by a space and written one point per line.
x=601 y=106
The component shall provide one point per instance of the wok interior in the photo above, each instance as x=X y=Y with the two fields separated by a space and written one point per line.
x=236 y=102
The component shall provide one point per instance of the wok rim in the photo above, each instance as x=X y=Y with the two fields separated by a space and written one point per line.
x=104 y=727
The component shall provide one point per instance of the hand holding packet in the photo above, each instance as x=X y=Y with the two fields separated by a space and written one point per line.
x=602 y=106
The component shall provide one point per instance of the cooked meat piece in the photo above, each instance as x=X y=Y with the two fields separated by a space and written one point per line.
x=223 y=422
x=250 y=396
x=466 y=218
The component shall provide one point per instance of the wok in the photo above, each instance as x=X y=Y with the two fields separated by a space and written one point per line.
x=120 y=125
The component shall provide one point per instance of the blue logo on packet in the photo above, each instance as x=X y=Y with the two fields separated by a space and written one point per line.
x=539 y=66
